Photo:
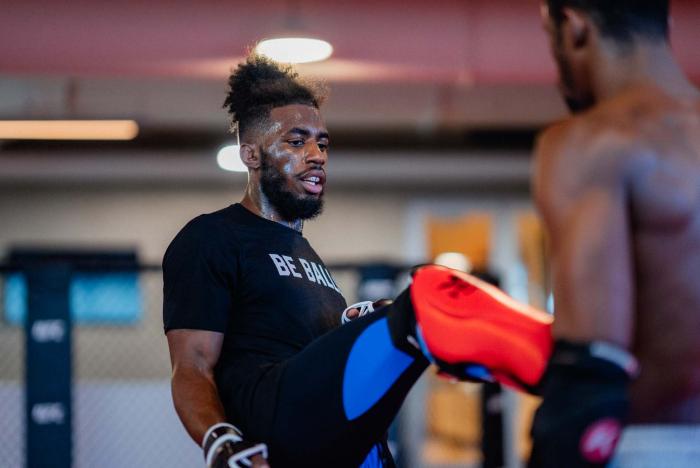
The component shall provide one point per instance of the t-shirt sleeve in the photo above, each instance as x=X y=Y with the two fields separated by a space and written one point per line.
x=198 y=277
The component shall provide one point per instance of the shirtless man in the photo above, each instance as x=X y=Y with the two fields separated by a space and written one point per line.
x=618 y=187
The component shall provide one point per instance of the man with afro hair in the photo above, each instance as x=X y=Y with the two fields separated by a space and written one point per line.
x=253 y=316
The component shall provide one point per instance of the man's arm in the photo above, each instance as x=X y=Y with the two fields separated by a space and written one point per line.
x=193 y=355
x=583 y=199
x=581 y=192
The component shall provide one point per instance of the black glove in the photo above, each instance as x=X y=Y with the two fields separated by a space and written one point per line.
x=584 y=405
x=224 y=447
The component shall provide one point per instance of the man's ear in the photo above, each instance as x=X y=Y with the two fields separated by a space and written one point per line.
x=576 y=28
x=249 y=156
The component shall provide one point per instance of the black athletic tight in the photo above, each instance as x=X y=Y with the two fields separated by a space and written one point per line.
x=337 y=398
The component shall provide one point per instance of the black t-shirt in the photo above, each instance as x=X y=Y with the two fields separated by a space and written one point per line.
x=258 y=282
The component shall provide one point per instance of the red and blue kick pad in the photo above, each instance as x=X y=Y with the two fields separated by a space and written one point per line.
x=474 y=331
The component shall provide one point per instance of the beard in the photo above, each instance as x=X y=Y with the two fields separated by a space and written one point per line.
x=289 y=206
x=576 y=97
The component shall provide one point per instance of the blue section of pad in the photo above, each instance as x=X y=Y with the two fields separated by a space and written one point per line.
x=374 y=459
x=478 y=372
x=423 y=346
x=374 y=365
x=95 y=298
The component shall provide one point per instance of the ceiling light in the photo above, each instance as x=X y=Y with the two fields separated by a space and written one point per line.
x=68 y=129
x=229 y=159
x=295 y=49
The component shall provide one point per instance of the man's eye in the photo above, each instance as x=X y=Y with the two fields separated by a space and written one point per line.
x=296 y=142
x=323 y=147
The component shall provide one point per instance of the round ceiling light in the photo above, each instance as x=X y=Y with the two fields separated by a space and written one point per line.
x=295 y=49
x=229 y=159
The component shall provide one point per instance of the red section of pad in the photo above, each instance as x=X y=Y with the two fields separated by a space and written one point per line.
x=465 y=320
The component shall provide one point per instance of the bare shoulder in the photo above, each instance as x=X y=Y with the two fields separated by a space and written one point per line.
x=566 y=151
x=600 y=135
x=553 y=180
x=591 y=150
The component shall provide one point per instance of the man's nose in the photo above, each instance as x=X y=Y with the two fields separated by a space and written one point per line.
x=315 y=155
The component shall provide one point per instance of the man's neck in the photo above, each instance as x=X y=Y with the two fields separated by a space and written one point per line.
x=256 y=202
x=647 y=64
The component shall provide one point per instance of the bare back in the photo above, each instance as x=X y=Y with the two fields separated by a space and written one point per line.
x=619 y=189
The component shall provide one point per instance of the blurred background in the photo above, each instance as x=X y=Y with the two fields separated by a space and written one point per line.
x=433 y=111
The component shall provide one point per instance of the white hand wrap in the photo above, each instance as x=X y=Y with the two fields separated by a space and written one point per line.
x=223 y=442
x=365 y=307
